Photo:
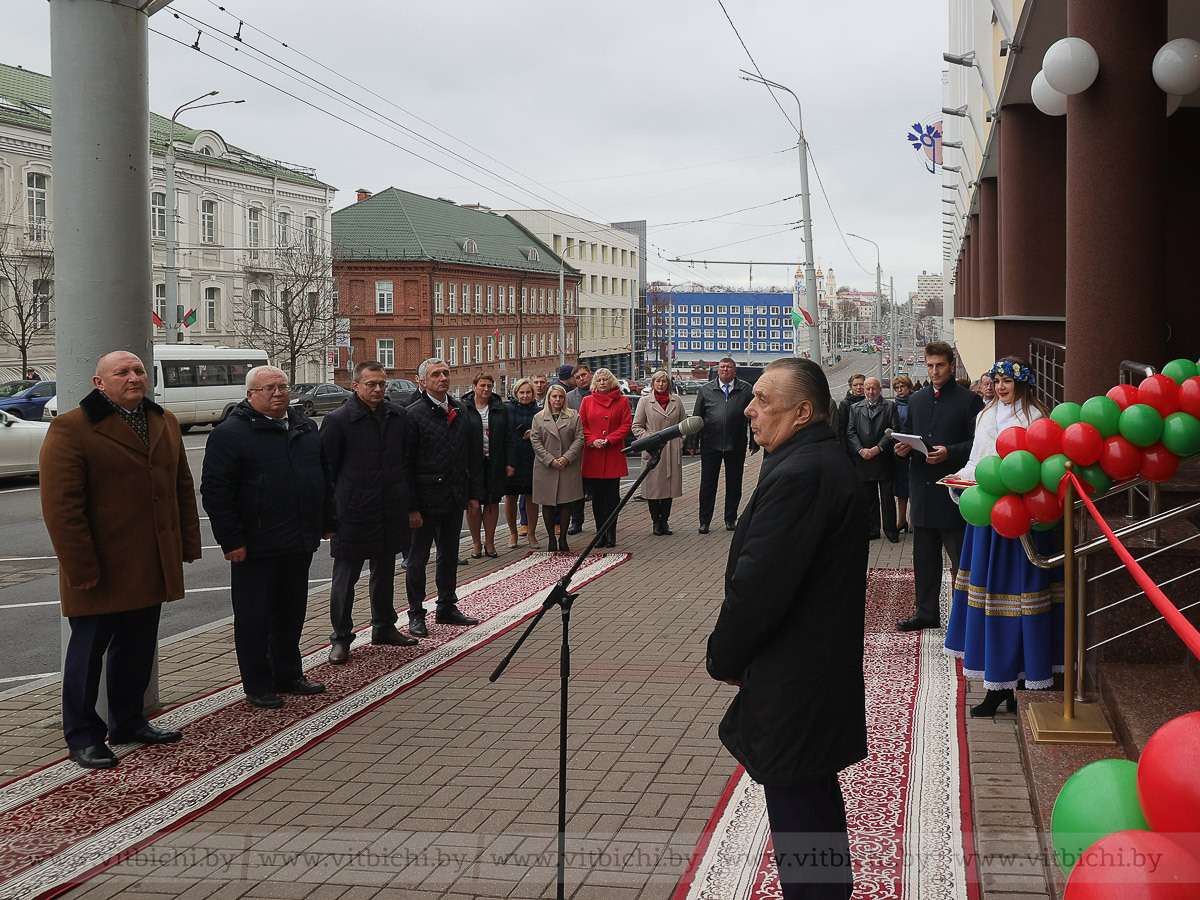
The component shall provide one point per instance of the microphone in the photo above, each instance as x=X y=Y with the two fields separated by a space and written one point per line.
x=651 y=443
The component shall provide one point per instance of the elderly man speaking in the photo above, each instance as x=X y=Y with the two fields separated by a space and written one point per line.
x=790 y=632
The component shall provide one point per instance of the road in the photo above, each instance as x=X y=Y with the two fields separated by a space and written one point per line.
x=30 y=620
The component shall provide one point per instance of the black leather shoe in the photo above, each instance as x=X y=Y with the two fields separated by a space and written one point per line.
x=893 y=536
x=562 y=546
x=339 y=654
x=666 y=527
x=730 y=524
x=658 y=529
x=575 y=529
x=266 y=700
x=416 y=625
x=97 y=756
x=874 y=537
x=146 y=734
x=301 y=686
x=704 y=528
x=461 y=561
x=450 y=615
x=916 y=623
x=393 y=638
x=992 y=702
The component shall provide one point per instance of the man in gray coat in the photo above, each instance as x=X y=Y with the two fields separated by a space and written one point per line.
x=870 y=444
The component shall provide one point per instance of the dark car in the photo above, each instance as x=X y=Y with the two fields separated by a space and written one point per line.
x=26 y=399
x=318 y=399
x=688 y=386
x=400 y=390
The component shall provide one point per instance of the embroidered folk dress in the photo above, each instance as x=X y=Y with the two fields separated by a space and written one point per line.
x=1006 y=622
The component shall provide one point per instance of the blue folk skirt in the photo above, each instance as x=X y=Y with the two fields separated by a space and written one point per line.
x=1006 y=622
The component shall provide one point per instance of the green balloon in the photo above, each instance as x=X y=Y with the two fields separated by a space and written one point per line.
x=1020 y=471
x=976 y=504
x=1095 y=476
x=1103 y=414
x=1045 y=526
x=1098 y=800
x=1053 y=469
x=1181 y=434
x=987 y=475
x=1180 y=370
x=1141 y=425
x=1067 y=414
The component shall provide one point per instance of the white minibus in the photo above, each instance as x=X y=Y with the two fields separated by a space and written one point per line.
x=200 y=385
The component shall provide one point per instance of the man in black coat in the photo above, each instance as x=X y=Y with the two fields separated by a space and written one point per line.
x=854 y=393
x=269 y=499
x=722 y=404
x=790 y=631
x=871 y=448
x=943 y=415
x=364 y=443
x=443 y=467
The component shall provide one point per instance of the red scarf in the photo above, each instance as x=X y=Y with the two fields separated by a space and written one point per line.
x=663 y=399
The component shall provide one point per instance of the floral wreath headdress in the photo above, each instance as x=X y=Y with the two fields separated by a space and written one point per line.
x=1015 y=371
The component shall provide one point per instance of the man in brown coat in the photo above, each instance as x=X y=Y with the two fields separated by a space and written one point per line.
x=118 y=502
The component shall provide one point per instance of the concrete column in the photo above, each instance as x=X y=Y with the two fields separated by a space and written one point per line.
x=989 y=280
x=101 y=137
x=965 y=312
x=1116 y=213
x=975 y=241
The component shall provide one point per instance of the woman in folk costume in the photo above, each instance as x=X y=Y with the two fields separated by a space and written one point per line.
x=1006 y=623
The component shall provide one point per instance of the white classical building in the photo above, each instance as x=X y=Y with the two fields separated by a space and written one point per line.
x=609 y=294
x=238 y=215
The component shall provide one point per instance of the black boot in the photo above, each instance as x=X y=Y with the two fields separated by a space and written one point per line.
x=991 y=703
x=664 y=515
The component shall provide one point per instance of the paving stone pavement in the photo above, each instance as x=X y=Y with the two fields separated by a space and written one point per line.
x=450 y=789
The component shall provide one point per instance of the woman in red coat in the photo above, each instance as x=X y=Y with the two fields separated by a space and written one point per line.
x=607 y=421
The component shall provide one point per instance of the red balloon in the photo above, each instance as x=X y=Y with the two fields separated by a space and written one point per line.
x=1168 y=790
x=1158 y=463
x=1119 y=459
x=1010 y=518
x=1125 y=395
x=1011 y=439
x=1161 y=392
x=1082 y=442
x=1189 y=396
x=1043 y=437
x=1134 y=865
x=1043 y=505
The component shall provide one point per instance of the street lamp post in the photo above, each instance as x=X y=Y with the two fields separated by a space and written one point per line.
x=174 y=311
x=878 y=301
x=812 y=311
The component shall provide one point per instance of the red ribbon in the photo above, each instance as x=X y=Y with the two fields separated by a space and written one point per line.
x=450 y=416
x=1186 y=630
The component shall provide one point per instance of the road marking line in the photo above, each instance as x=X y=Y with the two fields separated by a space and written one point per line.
x=26 y=677
x=22 y=605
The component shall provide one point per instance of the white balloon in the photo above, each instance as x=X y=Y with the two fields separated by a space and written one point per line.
x=1070 y=65
x=1046 y=98
x=1173 y=101
x=1176 y=66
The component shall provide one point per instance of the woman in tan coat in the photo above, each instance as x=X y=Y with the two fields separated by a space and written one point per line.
x=557 y=439
x=658 y=410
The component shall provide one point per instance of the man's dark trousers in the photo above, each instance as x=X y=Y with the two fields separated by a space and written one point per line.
x=130 y=640
x=710 y=469
x=381 y=589
x=444 y=530
x=881 y=498
x=270 y=599
x=928 y=568
x=812 y=849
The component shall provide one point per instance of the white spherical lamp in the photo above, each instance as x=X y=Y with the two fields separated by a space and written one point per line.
x=1176 y=67
x=1070 y=65
x=1046 y=98
x=1173 y=101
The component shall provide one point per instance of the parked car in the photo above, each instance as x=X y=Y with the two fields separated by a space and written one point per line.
x=318 y=399
x=627 y=386
x=25 y=399
x=20 y=444
x=688 y=386
x=399 y=390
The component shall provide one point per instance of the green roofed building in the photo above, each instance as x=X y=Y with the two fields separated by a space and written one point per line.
x=420 y=277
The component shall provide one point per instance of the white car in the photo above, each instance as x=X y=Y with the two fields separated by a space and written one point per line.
x=20 y=444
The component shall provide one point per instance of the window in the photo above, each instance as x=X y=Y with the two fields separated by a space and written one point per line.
x=735 y=345
x=212 y=296
x=160 y=301
x=708 y=332
x=695 y=320
x=438 y=301
x=762 y=310
x=708 y=345
x=775 y=346
x=208 y=221
x=761 y=322
x=524 y=298
x=283 y=229
x=722 y=332
x=708 y=320
x=761 y=345
x=453 y=297
x=541 y=300
x=722 y=321
x=787 y=345
x=604 y=253
x=524 y=346
x=439 y=348
x=491 y=307
x=682 y=345
x=466 y=351
x=534 y=256
x=385 y=352
x=310 y=237
x=253 y=231
x=453 y=360
x=604 y=284
x=158 y=215
x=478 y=303
x=722 y=310
x=541 y=345
x=383 y=296
x=256 y=306
x=774 y=310
x=479 y=348
x=512 y=299
x=491 y=347
x=469 y=246
x=624 y=257
x=512 y=346
x=35 y=205
x=775 y=334
x=708 y=310
x=762 y=333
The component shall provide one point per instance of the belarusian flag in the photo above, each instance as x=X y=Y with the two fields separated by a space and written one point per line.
x=796 y=314
x=496 y=336
x=156 y=318
x=190 y=319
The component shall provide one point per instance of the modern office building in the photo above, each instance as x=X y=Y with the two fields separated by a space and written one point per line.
x=750 y=327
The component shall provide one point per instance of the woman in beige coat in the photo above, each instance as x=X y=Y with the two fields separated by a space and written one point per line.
x=660 y=409
x=557 y=439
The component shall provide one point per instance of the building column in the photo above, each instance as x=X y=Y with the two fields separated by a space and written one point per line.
x=987 y=235
x=1115 y=203
x=975 y=241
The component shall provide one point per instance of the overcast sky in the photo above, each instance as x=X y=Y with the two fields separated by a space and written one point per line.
x=627 y=109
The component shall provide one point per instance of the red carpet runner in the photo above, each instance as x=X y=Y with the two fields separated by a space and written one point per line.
x=908 y=803
x=60 y=825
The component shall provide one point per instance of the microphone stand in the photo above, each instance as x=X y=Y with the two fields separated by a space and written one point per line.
x=560 y=596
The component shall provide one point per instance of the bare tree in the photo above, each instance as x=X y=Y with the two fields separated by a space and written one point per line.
x=293 y=318
x=26 y=283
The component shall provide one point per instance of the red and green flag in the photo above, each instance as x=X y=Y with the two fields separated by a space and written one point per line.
x=190 y=319
x=796 y=314
x=496 y=336
x=157 y=319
